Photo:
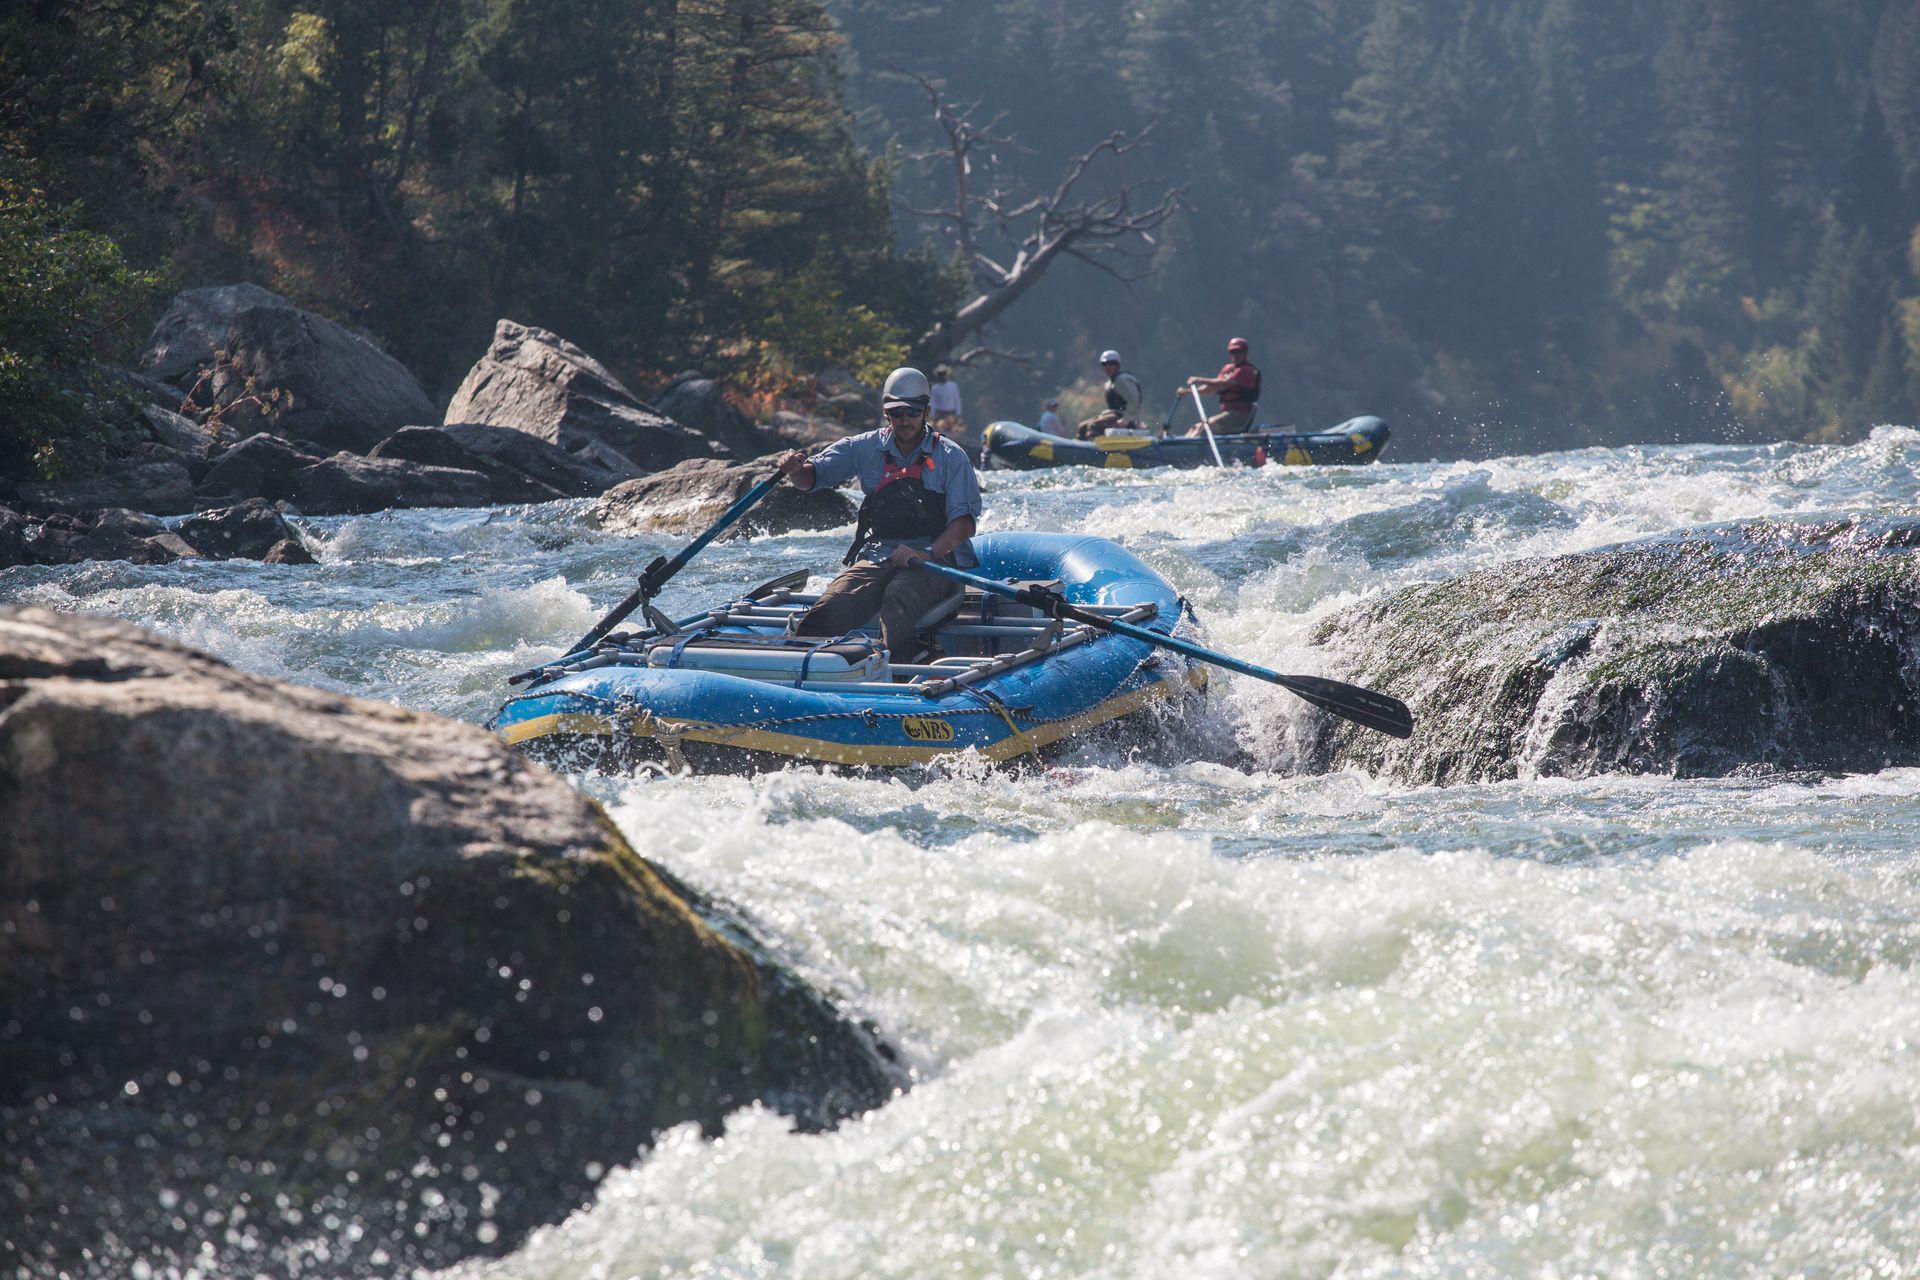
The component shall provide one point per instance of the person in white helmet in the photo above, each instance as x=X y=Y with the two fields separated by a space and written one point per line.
x=1124 y=397
x=922 y=500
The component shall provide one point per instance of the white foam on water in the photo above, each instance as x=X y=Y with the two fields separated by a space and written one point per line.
x=1170 y=1016
x=1141 y=1059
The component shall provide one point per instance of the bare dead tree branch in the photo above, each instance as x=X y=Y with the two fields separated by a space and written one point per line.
x=1106 y=231
x=975 y=355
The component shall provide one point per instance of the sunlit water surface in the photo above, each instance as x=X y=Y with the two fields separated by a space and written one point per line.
x=1177 y=1012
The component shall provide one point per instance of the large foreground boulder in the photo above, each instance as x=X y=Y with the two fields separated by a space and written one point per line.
x=538 y=382
x=234 y=343
x=290 y=976
x=1776 y=645
x=689 y=497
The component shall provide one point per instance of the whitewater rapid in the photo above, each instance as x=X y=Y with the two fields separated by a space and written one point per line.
x=1180 y=1011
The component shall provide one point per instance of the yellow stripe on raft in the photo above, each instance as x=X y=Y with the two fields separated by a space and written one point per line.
x=850 y=753
x=1042 y=451
x=1107 y=444
x=1117 y=460
x=1297 y=457
x=542 y=726
x=1360 y=443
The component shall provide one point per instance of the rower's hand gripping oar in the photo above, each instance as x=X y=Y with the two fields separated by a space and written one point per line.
x=659 y=573
x=1201 y=409
x=1364 y=707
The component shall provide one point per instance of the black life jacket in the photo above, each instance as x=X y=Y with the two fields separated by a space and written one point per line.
x=1237 y=398
x=1116 y=401
x=900 y=512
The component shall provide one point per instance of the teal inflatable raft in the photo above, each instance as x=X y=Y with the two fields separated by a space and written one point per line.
x=1016 y=447
x=731 y=691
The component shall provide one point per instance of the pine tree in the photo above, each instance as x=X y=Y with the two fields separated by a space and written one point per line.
x=1850 y=305
x=1896 y=84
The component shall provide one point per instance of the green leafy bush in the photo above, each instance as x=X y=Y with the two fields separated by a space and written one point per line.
x=66 y=295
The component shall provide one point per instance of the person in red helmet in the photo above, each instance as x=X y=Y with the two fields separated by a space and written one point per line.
x=1238 y=386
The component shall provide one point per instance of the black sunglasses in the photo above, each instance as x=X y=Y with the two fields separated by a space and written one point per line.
x=902 y=411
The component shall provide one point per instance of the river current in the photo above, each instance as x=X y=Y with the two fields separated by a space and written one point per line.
x=1179 y=1011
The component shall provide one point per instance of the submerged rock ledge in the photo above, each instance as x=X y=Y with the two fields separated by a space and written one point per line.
x=327 y=979
x=1766 y=646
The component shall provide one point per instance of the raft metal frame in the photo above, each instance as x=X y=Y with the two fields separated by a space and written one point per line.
x=774 y=610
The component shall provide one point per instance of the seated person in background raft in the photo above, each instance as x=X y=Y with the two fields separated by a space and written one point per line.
x=1123 y=401
x=1050 y=419
x=944 y=401
x=1238 y=386
x=922 y=499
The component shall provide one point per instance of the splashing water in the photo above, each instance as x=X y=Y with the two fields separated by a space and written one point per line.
x=1172 y=1013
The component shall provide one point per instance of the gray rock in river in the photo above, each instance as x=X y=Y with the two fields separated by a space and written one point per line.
x=347 y=484
x=538 y=382
x=335 y=971
x=158 y=488
x=345 y=393
x=184 y=435
x=261 y=466
x=266 y=466
x=697 y=401
x=253 y=530
x=1777 y=645
x=691 y=496
x=250 y=530
x=575 y=475
x=437 y=447
x=810 y=431
x=115 y=533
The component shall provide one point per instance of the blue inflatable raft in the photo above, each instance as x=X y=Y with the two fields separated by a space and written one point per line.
x=731 y=691
x=1016 y=447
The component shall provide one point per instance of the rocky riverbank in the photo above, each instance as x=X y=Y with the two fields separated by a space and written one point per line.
x=274 y=959
x=256 y=401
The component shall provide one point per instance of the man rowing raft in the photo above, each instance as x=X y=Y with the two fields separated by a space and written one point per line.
x=1238 y=386
x=922 y=500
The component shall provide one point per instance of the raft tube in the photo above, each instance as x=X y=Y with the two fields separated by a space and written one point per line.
x=731 y=692
x=1014 y=446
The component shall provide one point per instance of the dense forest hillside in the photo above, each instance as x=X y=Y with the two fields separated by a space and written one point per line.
x=1504 y=224
x=1516 y=223
x=665 y=182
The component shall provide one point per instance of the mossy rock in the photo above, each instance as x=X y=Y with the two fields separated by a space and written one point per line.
x=1767 y=646
x=359 y=975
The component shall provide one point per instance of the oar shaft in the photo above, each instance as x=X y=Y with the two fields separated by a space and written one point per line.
x=661 y=571
x=1178 y=645
x=1351 y=702
x=1201 y=409
x=748 y=500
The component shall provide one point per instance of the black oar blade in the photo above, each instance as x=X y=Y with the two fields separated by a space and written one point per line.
x=1364 y=707
x=785 y=582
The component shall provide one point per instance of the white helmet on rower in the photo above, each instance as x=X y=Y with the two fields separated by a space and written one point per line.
x=1109 y=356
x=906 y=386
